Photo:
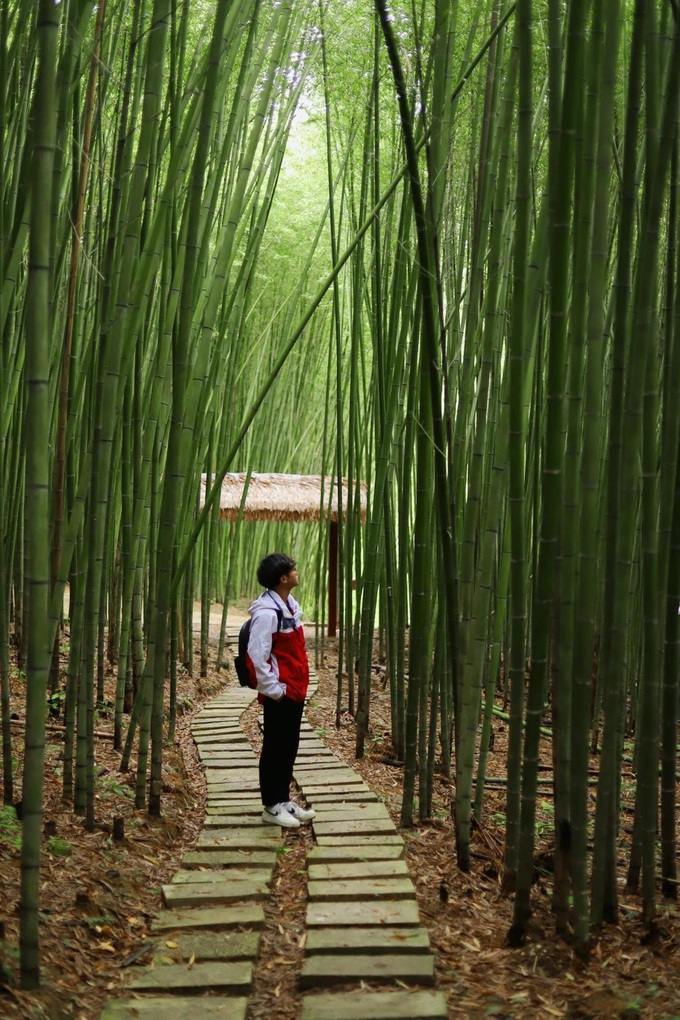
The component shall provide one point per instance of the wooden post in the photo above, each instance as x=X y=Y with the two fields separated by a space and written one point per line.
x=333 y=580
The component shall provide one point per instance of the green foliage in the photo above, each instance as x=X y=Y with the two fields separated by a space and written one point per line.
x=119 y=788
x=495 y=1009
x=10 y=827
x=59 y=847
x=55 y=702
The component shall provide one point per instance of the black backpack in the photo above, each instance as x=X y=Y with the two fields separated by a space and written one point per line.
x=241 y=660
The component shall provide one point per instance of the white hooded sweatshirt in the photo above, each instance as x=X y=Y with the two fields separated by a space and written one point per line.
x=265 y=623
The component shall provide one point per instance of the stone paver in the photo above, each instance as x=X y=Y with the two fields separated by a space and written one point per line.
x=322 y=797
x=339 y=792
x=328 y=772
x=355 y=870
x=212 y=918
x=211 y=744
x=306 y=757
x=367 y=940
x=226 y=754
x=365 y=1005
x=238 y=779
x=360 y=839
x=239 y=807
x=166 y=1008
x=235 y=976
x=323 y=971
x=234 y=797
x=216 y=875
x=352 y=827
x=247 y=798
x=335 y=786
x=224 y=786
x=241 y=820
x=236 y=945
x=311 y=750
x=231 y=890
x=221 y=766
x=208 y=742
x=228 y=858
x=258 y=839
x=222 y=724
x=216 y=726
x=361 y=890
x=349 y=852
x=326 y=914
x=350 y=812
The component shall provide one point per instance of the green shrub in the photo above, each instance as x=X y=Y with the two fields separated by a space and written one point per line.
x=59 y=847
x=10 y=826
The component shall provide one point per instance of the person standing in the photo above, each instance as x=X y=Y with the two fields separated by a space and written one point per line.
x=277 y=662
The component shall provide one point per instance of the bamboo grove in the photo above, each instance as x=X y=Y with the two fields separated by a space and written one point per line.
x=431 y=247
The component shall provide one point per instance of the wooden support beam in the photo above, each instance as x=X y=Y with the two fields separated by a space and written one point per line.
x=333 y=580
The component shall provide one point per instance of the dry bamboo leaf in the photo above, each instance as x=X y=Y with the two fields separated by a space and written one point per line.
x=552 y=1010
x=191 y=962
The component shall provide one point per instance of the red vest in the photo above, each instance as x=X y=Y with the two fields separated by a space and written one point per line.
x=288 y=645
x=291 y=656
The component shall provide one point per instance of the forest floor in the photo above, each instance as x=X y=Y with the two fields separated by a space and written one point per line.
x=98 y=896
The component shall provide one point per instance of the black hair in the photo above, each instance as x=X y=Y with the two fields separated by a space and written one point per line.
x=273 y=568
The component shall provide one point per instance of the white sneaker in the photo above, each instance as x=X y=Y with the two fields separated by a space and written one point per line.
x=278 y=815
x=302 y=814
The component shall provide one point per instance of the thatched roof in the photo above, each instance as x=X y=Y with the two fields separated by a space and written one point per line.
x=277 y=497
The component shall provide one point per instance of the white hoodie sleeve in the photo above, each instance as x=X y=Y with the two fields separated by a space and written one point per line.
x=264 y=625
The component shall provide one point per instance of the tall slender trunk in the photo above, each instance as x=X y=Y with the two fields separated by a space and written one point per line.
x=621 y=496
x=517 y=436
x=38 y=332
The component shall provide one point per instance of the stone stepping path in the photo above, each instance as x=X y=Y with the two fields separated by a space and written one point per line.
x=208 y=935
x=363 y=925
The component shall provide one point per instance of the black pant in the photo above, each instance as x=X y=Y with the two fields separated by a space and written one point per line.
x=282 y=721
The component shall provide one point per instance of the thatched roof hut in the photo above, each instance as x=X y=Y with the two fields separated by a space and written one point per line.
x=278 y=497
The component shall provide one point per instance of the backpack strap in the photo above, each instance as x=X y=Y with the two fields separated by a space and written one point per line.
x=279 y=612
